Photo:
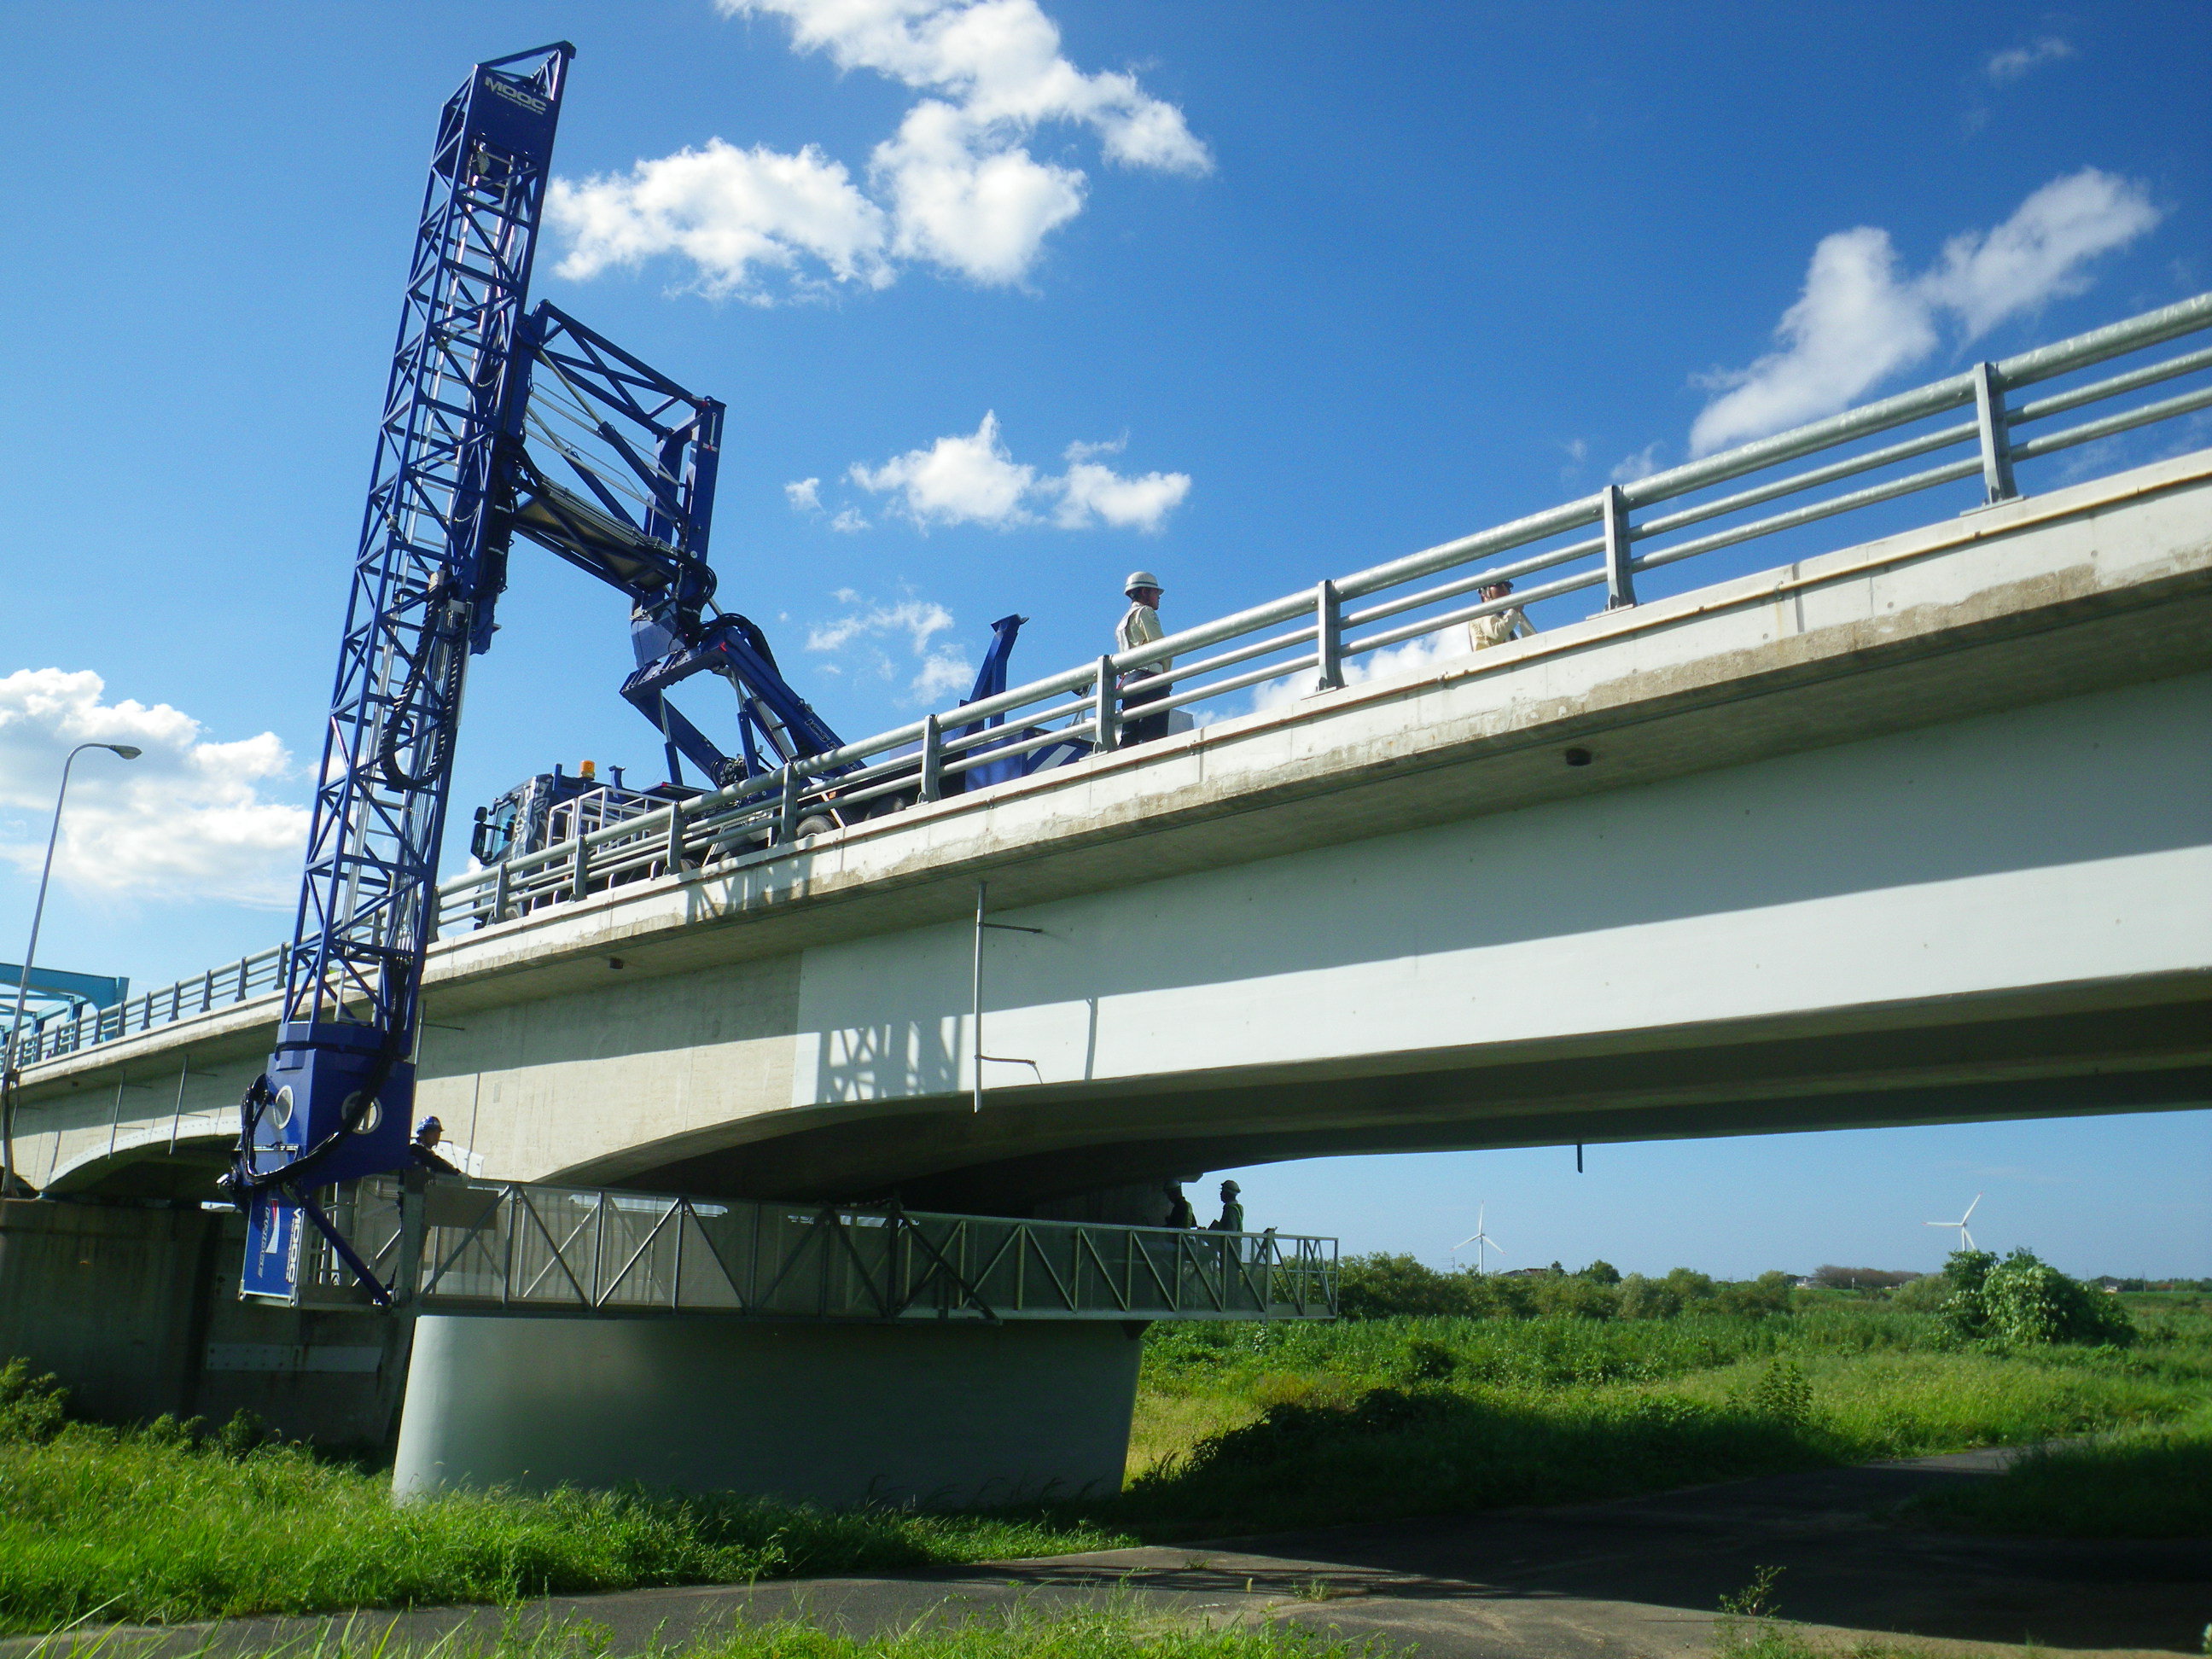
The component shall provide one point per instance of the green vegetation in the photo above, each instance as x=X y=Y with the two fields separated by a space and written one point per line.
x=1575 y=1388
x=164 y=1523
x=1578 y=1390
x=2021 y=1301
x=2153 y=1482
x=1111 y=1632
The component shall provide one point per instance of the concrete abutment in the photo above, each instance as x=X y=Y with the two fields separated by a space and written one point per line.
x=135 y=1310
x=942 y=1414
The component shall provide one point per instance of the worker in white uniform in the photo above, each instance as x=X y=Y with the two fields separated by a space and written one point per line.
x=1499 y=627
x=1141 y=625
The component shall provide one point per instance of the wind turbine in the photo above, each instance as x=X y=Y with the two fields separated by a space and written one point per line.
x=1966 y=1239
x=1479 y=1239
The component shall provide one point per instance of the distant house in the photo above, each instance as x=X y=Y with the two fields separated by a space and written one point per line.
x=2110 y=1285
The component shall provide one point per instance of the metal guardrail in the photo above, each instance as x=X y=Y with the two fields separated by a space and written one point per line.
x=1316 y=633
x=476 y=1247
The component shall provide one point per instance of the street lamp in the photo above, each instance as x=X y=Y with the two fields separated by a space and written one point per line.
x=30 y=954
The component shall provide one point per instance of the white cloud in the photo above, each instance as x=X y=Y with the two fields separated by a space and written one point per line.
x=973 y=478
x=805 y=495
x=2008 y=66
x=1422 y=652
x=969 y=479
x=1858 y=322
x=919 y=619
x=1122 y=502
x=1000 y=59
x=860 y=634
x=944 y=673
x=955 y=186
x=730 y=212
x=186 y=821
x=982 y=212
x=1642 y=464
x=848 y=520
x=2036 y=255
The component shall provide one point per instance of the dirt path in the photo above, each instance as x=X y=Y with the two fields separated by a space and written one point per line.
x=1635 y=1577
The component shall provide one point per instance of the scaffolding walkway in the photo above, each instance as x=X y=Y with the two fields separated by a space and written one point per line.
x=453 y=1245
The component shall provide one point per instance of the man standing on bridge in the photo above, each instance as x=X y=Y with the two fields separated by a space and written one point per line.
x=1499 y=627
x=1141 y=625
x=424 y=1151
x=1232 y=1213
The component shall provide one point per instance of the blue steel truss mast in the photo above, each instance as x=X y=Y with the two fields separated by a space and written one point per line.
x=333 y=1104
x=498 y=423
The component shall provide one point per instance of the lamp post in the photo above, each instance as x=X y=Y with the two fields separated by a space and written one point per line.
x=30 y=957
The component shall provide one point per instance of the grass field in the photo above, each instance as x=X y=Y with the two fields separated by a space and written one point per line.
x=1262 y=1426
x=1240 y=1428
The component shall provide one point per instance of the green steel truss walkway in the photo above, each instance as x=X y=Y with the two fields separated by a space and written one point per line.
x=452 y=1245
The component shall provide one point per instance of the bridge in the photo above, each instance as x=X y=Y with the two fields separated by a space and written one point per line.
x=1910 y=829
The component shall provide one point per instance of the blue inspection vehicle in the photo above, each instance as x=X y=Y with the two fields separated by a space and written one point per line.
x=499 y=422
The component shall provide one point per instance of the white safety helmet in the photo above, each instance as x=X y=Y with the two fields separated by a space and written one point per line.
x=1141 y=579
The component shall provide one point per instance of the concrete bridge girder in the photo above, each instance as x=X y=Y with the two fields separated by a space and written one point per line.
x=1912 y=831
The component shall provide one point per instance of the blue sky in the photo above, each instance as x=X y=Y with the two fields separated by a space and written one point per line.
x=1245 y=294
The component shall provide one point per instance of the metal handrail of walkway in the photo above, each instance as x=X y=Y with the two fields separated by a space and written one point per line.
x=455 y=1245
x=1315 y=634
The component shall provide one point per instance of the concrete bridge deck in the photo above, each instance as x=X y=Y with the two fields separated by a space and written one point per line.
x=1913 y=832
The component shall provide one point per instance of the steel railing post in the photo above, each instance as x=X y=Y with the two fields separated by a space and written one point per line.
x=787 y=808
x=675 y=855
x=1107 y=733
x=932 y=758
x=580 y=878
x=499 y=894
x=1996 y=441
x=1620 y=574
x=1328 y=639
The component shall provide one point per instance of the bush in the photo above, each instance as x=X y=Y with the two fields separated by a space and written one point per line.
x=2030 y=1302
x=1648 y=1298
x=1783 y=1393
x=2023 y=1301
x=1601 y=1272
x=1757 y=1298
x=1925 y=1294
x=1575 y=1297
x=1377 y=1286
x=31 y=1407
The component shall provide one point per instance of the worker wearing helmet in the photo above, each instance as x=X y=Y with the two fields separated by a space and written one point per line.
x=1499 y=627
x=1141 y=626
x=1232 y=1213
x=427 y=1134
x=1179 y=1214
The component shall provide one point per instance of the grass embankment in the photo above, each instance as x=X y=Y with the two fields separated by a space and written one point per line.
x=156 y=1524
x=1239 y=1429
x=1265 y=1426
x=2153 y=1482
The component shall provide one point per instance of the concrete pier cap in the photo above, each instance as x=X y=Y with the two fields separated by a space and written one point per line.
x=957 y=1414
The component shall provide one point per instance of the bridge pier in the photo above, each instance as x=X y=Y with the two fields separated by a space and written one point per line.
x=943 y=1414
